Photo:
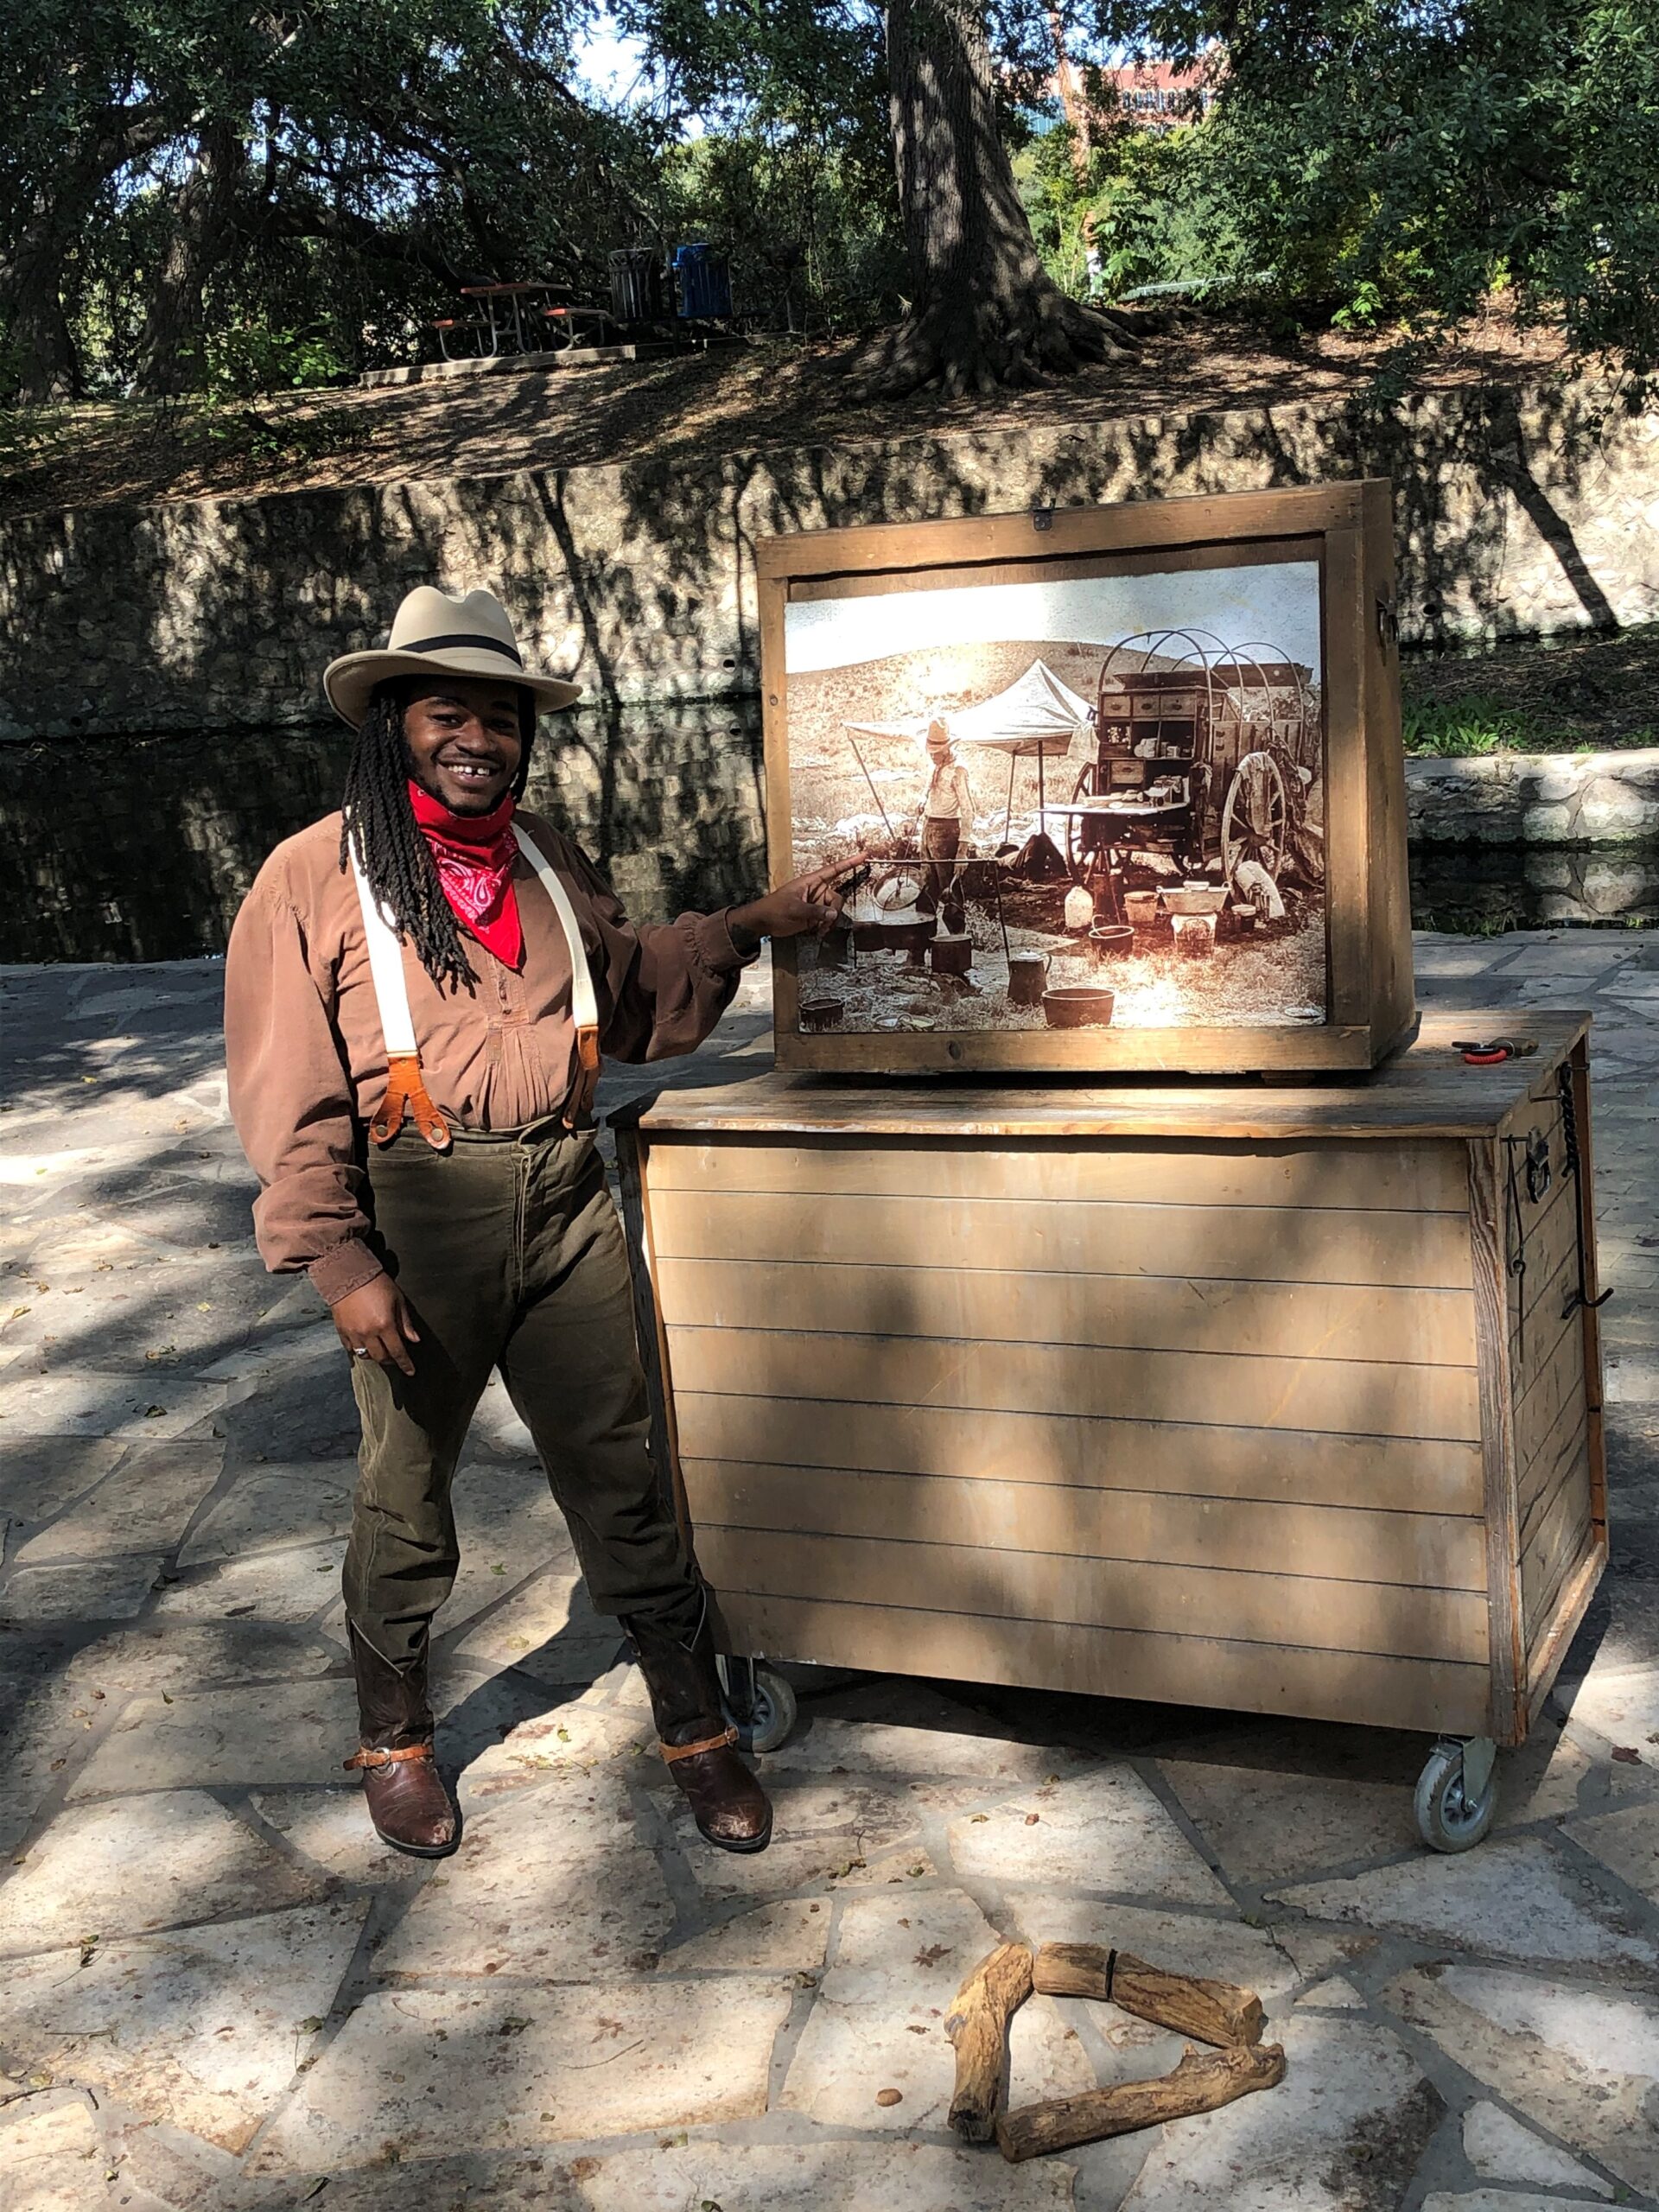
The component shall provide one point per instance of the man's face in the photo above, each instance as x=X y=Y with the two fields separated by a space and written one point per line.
x=938 y=746
x=463 y=739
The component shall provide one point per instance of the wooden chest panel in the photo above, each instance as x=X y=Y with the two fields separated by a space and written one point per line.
x=1252 y=1420
x=1175 y=1307
x=1556 y=1370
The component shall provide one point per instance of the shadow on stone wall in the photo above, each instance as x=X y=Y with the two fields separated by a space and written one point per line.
x=142 y=848
x=1485 y=893
x=1520 y=511
x=205 y=625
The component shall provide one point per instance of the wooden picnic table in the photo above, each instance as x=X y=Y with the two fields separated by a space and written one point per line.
x=510 y=298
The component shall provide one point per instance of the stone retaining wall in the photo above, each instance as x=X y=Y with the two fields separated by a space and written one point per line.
x=1536 y=799
x=1520 y=511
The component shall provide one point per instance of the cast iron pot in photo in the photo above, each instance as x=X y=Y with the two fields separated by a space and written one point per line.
x=893 y=937
x=1079 y=1006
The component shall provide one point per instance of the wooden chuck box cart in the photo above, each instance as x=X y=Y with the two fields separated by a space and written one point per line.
x=1282 y=1399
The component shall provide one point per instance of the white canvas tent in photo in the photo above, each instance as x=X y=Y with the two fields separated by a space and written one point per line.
x=1038 y=716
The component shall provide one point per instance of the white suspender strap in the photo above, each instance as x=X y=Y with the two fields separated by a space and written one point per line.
x=584 y=1005
x=386 y=967
x=406 y=1091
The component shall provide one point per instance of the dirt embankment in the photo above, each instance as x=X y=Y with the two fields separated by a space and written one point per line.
x=774 y=392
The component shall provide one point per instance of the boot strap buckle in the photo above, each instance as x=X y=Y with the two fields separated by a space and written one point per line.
x=723 y=1742
x=367 y=1758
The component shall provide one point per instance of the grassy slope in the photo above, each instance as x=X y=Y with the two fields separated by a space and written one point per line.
x=1581 y=694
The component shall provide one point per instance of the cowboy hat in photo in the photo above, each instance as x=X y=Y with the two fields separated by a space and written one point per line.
x=434 y=635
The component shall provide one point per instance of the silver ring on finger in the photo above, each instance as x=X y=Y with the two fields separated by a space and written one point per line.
x=359 y=1352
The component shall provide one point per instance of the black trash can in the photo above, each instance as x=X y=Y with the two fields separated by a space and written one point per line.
x=639 y=290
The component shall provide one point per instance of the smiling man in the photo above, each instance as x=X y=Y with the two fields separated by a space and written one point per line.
x=417 y=994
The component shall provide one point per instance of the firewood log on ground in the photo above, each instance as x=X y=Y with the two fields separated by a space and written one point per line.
x=977 y=2024
x=1217 y=2012
x=1202 y=2082
x=1211 y=2012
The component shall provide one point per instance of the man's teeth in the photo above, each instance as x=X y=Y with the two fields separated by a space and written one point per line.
x=478 y=774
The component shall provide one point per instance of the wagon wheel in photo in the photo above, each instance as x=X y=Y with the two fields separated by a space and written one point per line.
x=1256 y=817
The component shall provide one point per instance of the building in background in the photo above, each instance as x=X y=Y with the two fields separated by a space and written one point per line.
x=1156 y=95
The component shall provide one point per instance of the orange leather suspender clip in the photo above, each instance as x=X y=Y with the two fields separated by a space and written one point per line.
x=407 y=1096
x=580 y=1106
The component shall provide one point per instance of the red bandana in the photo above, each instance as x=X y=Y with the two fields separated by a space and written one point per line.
x=476 y=853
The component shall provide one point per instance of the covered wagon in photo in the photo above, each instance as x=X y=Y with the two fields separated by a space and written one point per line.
x=1208 y=753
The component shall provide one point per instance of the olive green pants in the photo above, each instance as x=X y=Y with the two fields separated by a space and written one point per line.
x=509 y=1250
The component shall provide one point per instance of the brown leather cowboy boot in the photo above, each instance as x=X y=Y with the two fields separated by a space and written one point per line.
x=730 y=1808
x=410 y=1806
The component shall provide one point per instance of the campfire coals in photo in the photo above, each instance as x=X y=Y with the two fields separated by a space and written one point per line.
x=1120 y=831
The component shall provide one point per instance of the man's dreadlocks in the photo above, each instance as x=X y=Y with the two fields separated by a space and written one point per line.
x=379 y=824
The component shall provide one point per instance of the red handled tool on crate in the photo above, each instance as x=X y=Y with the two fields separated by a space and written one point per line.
x=1493 y=1051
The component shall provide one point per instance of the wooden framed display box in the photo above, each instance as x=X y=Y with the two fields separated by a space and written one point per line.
x=1185 y=713
x=1285 y=1399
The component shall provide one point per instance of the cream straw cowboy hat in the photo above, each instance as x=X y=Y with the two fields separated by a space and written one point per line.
x=433 y=634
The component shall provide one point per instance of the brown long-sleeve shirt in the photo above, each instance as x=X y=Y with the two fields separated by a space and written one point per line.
x=308 y=1062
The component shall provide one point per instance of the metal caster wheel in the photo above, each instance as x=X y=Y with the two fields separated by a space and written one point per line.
x=1457 y=1793
x=759 y=1704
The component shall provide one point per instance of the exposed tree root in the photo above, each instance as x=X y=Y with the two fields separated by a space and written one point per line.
x=977 y=344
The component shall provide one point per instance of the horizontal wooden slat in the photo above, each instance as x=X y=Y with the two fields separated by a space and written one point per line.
x=1381 y=1693
x=1559 y=1622
x=1267 y=1243
x=1264 y=1609
x=1340 y=1543
x=1150 y=1313
x=847 y=563
x=1287 y=1466
x=1540 y=1476
x=1339 y=1396
x=1547 y=1241
x=1426 y=1091
x=1556 y=1543
x=1556 y=1365
x=1384 y=1176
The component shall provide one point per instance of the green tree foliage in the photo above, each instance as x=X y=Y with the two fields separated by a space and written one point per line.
x=1150 y=203
x=1383 y=159
x=189 y=188
x=807 y=225
x=775 y=142
x=233 y=193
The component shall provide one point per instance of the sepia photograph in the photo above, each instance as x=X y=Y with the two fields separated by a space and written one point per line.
x=1083 y=801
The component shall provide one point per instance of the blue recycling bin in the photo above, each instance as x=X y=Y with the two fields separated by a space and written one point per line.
x=704 y=283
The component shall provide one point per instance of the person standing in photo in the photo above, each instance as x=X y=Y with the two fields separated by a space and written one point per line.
x=418 y=993
x=945 y=832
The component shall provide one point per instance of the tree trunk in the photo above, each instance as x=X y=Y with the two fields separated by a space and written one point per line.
x=171 y=349
x=39 y=342
x=983 y=310
x=38 y=350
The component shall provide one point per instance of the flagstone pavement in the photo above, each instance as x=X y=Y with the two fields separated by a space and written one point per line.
x=217 y=1991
